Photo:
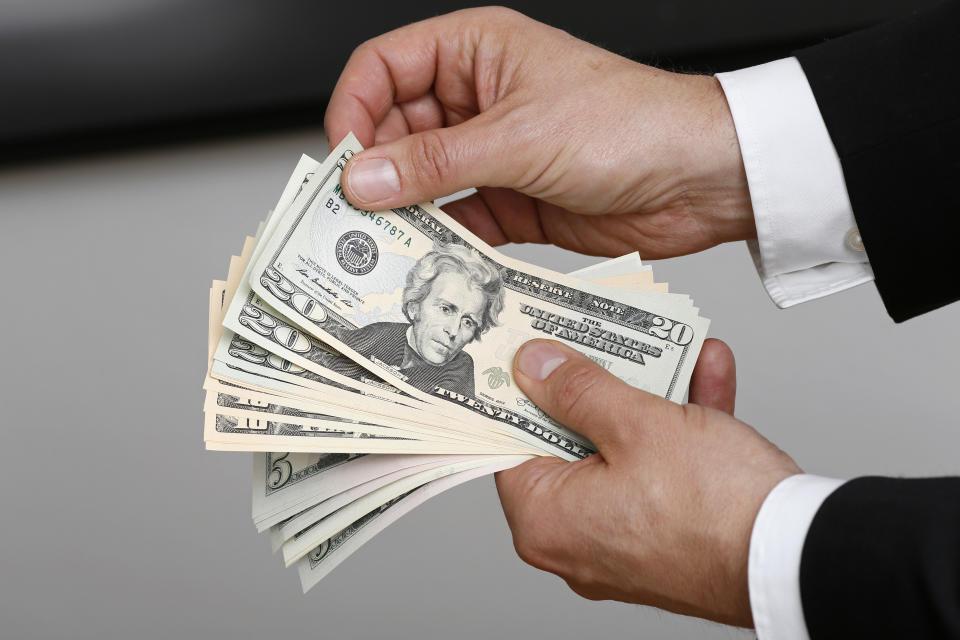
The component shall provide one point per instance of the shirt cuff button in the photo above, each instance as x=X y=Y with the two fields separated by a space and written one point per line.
x=853 y=240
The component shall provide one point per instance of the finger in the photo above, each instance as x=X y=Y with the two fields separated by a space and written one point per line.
x=428 y=165
x=392 y=127
x=499 y=216
x=473 y=213
x=714 y=380
x=583 y=396
x=418 y=114
x=517 y=214
x=517 y=486
x=538 y=516
x=401 y=66
x=372 y=82
x=424 y=113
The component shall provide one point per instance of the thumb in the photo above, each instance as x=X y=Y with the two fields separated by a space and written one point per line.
x=424 y=166
x=583 y=396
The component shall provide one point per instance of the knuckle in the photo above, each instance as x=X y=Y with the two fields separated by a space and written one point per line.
x=366 y=47
x=592 y=581
x=534 y=541
x=524 y=480
x=585 y=590
x=430 y=159
x=502 y=12
x=529 y=548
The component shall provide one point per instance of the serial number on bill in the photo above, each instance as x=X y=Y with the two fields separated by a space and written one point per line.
x=335 y=202
x=388 y=227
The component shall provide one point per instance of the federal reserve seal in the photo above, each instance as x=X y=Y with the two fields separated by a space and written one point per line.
x=357 y=253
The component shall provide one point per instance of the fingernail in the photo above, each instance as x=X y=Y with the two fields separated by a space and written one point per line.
x=374 y=179
x=539 y=359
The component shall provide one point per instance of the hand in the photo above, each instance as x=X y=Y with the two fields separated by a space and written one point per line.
x=662 y=515
x=570 y=144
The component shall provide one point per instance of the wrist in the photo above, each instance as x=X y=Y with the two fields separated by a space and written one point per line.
x=730 y=592
x=716 y=189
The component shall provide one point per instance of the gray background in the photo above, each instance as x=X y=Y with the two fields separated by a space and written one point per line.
x=117 y=523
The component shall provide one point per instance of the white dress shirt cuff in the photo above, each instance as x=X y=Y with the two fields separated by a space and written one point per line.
x=776 y=546
x=807 y=242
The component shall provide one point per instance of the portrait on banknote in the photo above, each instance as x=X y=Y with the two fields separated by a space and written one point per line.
x=452 y=297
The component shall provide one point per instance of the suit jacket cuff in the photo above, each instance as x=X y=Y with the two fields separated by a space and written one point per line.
x=881 y=559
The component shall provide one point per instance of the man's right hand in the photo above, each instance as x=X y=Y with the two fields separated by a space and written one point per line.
x=662 y=514
x=568 y=143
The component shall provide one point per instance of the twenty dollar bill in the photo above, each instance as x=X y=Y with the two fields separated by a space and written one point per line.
x=416 y=299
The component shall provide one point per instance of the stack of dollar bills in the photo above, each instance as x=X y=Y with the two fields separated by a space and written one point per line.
x=365 y=357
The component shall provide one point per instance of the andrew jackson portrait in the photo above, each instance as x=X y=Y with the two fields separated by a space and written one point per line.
x=452 y=296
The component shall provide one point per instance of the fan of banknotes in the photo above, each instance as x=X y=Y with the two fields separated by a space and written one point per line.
x=365 y=358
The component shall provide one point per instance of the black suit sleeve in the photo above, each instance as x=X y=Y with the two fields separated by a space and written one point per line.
x=890 y=97
x=882 y=560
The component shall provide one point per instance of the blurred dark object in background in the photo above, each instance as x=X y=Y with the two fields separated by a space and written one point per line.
x=80 y=75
